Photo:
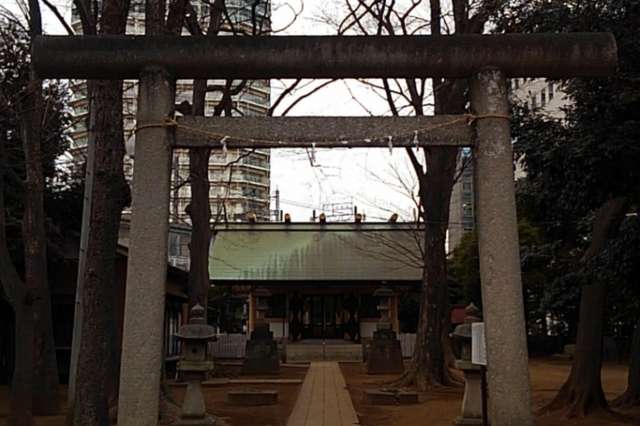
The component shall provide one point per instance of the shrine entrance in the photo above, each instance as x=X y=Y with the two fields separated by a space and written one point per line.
x=325 y=316
x=486 y=61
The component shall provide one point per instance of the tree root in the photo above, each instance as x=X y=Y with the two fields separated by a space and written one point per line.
x=629 y=399
x=574 y=403
x=422 y=382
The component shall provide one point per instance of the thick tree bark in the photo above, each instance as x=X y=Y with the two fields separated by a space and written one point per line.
x=21 y=395
x=98 y=365
x=98 y=362
x=200 y=213
x=430 y=364
x=22 y=383
x=45 y=369
x=199 y=209
x=582 y=393
x=631 y=397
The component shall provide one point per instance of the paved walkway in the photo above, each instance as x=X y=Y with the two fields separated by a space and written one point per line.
x=324 y=399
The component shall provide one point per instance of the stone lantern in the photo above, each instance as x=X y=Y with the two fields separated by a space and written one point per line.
x=472 y=401
x=384 y=295
x=194 y=366
x=262 y=306
x=261 y=355
x=385 y=354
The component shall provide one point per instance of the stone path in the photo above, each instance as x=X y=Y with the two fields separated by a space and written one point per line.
x=324 y=399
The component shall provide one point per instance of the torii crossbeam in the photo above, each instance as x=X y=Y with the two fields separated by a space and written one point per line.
x=486 y=60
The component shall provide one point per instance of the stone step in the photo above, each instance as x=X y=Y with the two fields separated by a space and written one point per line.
x=319 y=352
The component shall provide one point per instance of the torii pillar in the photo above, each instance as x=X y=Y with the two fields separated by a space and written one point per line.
x=142 y=337
x=499 y=250
x=487 y=60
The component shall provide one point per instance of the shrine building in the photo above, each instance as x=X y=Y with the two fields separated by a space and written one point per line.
x=318 y=279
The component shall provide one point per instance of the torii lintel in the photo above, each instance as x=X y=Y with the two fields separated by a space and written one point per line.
x=457 y=56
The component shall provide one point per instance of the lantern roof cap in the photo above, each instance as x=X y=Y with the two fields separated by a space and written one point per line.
x=383 y=292
x=197 y=328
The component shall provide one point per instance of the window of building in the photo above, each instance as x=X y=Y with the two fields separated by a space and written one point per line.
x=551 y=90
x=173 y=315
x=534 y=102
x=543 y=97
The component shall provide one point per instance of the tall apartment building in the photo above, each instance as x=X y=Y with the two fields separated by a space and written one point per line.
x=461 y=206
x=237 y=190
x=538 y=93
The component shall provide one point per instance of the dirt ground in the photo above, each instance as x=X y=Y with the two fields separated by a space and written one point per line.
x=271 y=415
x=440 y=407
x=437 y=408
x=275 y=415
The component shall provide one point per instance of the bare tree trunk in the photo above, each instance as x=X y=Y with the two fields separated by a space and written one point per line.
x=436 y=184
x=582 y=393
x=631 y=397
x=99 y=355
x=21 y=396
x=200 y=213
x=199 y=209
x=45 y=369
x=98 y=362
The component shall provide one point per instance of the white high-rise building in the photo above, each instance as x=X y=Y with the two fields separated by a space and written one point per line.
x=541 y=94
x=461 y=206
x=236 y=191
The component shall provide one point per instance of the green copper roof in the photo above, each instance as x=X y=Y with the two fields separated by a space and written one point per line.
x=311 y=251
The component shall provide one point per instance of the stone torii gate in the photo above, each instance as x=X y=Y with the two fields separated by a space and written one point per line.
x=486 y=60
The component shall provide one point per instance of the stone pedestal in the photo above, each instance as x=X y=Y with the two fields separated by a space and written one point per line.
x=390 y=397
x=472 y=401
x=261 y=356
x=385 y=354
x=193 y=408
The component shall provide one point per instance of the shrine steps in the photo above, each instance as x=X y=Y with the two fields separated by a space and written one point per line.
x=311 y=351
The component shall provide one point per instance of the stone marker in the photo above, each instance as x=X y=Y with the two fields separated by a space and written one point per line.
x=385 y=353
x=262 y=355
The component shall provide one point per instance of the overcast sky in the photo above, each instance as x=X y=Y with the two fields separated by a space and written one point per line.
x=368 y=178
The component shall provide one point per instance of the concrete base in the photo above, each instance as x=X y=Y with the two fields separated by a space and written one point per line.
x=408 y=397
x=251 y=398
x=472 y=400
x=206 y=421
x=385 y=354
x=262 y=355
x=376 y=397
x=461 y=421
x=381 y=397
x=193 y=409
